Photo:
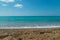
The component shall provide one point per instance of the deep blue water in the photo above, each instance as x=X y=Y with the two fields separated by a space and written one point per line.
x=19 y=21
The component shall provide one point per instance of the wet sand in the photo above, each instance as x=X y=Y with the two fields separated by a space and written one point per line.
x=30 y=34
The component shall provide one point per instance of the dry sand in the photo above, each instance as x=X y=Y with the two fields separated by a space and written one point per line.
x=30 y=34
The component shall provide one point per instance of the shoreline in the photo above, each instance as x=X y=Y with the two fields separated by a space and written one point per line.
x=30 y=27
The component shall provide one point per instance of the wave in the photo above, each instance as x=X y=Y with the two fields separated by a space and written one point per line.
x=29 y=27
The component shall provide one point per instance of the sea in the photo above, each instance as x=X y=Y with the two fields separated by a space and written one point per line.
x=29 y=21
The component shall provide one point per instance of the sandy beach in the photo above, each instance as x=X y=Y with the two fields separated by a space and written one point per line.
x=30 y=34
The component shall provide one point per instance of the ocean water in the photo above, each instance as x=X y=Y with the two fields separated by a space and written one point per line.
x=29 y=21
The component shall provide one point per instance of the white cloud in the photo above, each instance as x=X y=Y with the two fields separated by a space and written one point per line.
x=7 y=1
x=18 y=5
x=4 y=5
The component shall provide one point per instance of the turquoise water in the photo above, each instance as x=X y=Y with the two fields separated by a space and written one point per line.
x=19 y=21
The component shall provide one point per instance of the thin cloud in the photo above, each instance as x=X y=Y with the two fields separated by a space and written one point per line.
x=18 y=5
x=4 y=5
x=7 y=1
x=20 y=0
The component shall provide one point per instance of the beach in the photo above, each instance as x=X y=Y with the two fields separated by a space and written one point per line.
x=30 y=34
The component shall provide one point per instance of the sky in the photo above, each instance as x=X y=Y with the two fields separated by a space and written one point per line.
x=29 y=7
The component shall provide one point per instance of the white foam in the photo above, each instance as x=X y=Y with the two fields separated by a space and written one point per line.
x=29 y=27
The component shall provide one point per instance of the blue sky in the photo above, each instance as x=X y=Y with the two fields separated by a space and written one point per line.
x=29 y=7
